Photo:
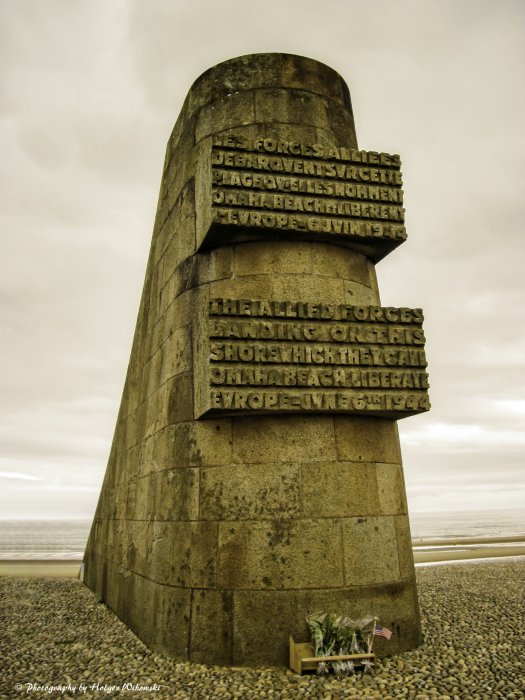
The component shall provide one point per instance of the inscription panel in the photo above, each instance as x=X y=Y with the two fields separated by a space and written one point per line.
x=264 y=186
x=294 y=356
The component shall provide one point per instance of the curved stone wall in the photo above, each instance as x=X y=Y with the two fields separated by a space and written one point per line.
x=217 y=532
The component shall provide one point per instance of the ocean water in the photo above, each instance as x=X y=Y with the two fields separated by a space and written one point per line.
x=43 y=539
x=66 y=539
x=474 y=523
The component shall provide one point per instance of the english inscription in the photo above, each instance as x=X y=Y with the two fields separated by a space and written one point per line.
x=297 y=356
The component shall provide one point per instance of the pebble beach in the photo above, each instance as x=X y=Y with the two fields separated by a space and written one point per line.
x=57 y=641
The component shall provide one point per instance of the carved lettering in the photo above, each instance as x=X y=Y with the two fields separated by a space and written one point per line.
x=247 y=183
x=310 y=310
x=240 y=217
x=297 y=166
x=271 y=145
x=235 y=375
x=311 y=189
x=342 y=333
x=318 y=401
x=308 y=356
x=316 y=354
x=302 y=186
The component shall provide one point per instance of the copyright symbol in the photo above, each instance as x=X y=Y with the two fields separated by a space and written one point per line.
x=18 y=686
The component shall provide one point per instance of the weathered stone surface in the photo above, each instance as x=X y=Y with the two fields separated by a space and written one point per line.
x=284 y=439
x=391 y=489
x=305 y=74
x=170 y=619
x=370 y=550
x=172 y=494
x=339 y=489
x=280 y=553
x=333 y=262
x=281 y=286
x=187 y=444
x=367 y=440
x=216 y=534
x=250 y=491
x=258 y=258
x=183 y=554
x=228 y=112
x=404 y=548
x=180 y=401
x=291 y=107
x=211 y=628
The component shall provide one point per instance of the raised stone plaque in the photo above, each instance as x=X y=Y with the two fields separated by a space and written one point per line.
x=264 y=186
x=295 y=356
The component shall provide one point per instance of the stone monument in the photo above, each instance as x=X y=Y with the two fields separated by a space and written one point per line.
x=255 y=474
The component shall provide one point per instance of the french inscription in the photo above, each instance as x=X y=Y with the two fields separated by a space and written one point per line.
x=267 y=184
x=276 y=355
x=297 y=166
x=261 y=200
x=281 y=147
x=311 y=224
x=307 y=186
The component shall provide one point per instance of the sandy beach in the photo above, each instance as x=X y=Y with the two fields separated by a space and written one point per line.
x=466 y=548
x=54 y=633
x=47 y=568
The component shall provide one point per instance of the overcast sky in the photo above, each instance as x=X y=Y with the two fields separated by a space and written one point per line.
x=89 y=93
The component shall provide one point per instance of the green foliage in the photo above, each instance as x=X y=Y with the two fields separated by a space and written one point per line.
x=336 y=635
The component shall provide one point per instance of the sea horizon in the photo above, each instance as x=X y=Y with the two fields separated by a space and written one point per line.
x=66 y=538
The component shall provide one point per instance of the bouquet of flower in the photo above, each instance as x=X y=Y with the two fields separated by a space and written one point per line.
x=334 y=635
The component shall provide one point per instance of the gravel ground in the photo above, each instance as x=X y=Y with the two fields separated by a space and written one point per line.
x=54 y=633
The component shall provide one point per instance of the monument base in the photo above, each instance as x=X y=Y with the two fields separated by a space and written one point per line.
x=278 y=518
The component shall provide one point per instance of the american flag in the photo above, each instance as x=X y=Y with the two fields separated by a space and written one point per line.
x=380 y=631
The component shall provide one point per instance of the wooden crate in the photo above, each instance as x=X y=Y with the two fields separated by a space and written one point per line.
x=302 y=658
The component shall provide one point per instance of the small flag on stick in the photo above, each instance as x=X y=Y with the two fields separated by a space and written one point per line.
x=380 y=631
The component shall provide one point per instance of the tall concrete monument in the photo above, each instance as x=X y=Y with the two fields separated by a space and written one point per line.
x=255 y=474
